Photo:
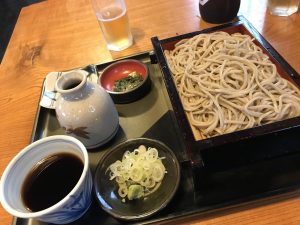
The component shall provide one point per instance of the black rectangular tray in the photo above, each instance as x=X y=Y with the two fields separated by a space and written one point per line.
x=153 y=117
x=240 y=147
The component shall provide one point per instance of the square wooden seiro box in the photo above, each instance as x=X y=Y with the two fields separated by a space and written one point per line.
x=239 y=147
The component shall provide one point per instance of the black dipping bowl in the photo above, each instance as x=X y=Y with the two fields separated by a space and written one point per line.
x=122 y=69
x=219 y=11
x=107 y=190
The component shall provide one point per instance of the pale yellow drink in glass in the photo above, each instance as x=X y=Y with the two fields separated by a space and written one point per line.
x=115 y=27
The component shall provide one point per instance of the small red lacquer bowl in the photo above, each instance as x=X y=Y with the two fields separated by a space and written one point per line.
x=122 y=69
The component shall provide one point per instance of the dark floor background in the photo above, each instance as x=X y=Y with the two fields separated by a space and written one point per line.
x=9 y=12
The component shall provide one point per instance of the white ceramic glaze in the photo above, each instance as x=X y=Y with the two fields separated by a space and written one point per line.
x=85 y=111
x=71 y=207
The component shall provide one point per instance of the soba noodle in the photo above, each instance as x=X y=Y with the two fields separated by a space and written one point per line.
x=226 y=83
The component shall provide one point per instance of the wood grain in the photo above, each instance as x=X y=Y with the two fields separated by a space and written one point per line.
x=57 y=35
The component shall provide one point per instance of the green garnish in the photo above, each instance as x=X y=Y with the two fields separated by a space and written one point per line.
x=135 y=191
x=127 y=83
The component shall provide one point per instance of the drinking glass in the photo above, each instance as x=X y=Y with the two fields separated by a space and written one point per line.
x=283 y=7
x=113 y=19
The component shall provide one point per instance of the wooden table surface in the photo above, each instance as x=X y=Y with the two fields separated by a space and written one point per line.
x=58 y=35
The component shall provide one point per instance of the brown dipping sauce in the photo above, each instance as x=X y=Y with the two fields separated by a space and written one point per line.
x=50 y=180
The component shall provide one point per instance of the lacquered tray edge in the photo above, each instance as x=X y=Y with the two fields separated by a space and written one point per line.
x=212 y=209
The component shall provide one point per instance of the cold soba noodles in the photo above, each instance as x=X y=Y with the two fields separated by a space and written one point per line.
x=226 y=83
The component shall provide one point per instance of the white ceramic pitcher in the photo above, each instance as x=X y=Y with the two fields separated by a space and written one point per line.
x=85 y=110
